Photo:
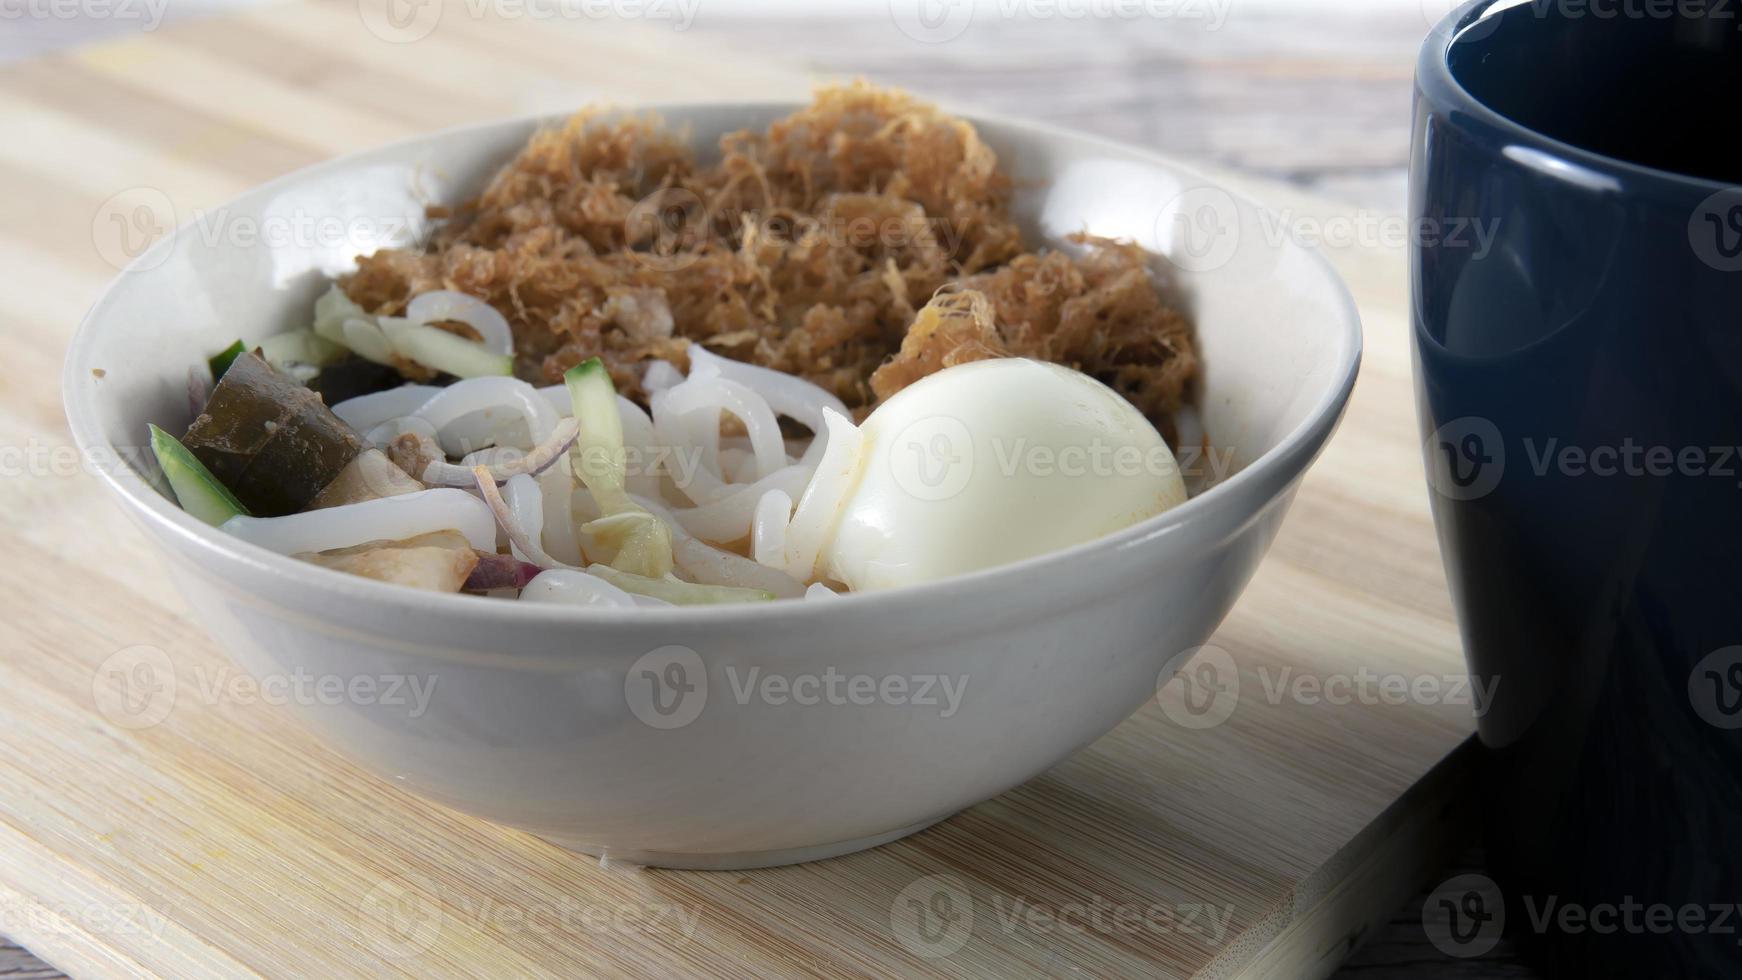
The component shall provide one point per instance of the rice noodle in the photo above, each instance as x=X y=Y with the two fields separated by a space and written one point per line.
x=446 y=304
x=729 y=517
x=365 y=412
x=786 y=394
x=814 y=519
x=660 y=375
x=768 y=528
x=557 y=485
x=526 y=501
x=674 y=433
x=563 y=586
x=387 y=519
x=491 y=396
x=713 y=566
x=738 y=465
x=713 y=396
x=818 y=590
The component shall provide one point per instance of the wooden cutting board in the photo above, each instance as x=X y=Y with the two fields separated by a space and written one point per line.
x=226 y=841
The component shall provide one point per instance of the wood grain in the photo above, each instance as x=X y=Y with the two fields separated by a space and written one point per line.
x=226 y=841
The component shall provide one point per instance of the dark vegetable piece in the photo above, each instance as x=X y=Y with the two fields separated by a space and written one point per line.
x=352 y=377
x=221 y=361
x=500 y=572
x=270 y=440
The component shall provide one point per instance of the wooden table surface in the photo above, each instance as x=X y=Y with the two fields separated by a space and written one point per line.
x=205 y=109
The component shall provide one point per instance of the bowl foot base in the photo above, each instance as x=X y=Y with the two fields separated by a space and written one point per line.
x=740 y=861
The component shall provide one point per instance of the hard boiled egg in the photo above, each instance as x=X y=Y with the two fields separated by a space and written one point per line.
x=991 y=462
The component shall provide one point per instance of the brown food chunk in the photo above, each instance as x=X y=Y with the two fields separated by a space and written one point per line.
x=807 y=248
x=273 y=442
x=439 y=561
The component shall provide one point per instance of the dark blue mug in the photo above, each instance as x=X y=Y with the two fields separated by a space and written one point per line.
x=1579 y=384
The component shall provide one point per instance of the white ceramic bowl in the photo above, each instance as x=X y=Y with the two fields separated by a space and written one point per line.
x=715 y=737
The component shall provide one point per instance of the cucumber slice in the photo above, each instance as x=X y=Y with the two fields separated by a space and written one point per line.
x=675 y=592
x=443 y=351
x=642 y=542
x=196 y=489
x=331 y=312
x=221 y=361
x=367 y=341
x=597 y=456
x=299 y=347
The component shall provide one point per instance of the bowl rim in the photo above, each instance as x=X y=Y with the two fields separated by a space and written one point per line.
x=1446 y=93
x=1282 y=464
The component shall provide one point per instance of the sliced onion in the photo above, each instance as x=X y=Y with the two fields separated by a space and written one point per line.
x=787 y=395
x=729 y=518
x=446 y=304
x=493 y=397
x=768 y=528
x=387 y=519
x=505 y=462
x=491 y=457
x=574 y=588
x=365 y=412
x=518 y=534
x=813 y=521
x=711 y=396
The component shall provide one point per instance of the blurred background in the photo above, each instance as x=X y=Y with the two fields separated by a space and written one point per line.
x=1311 y=91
